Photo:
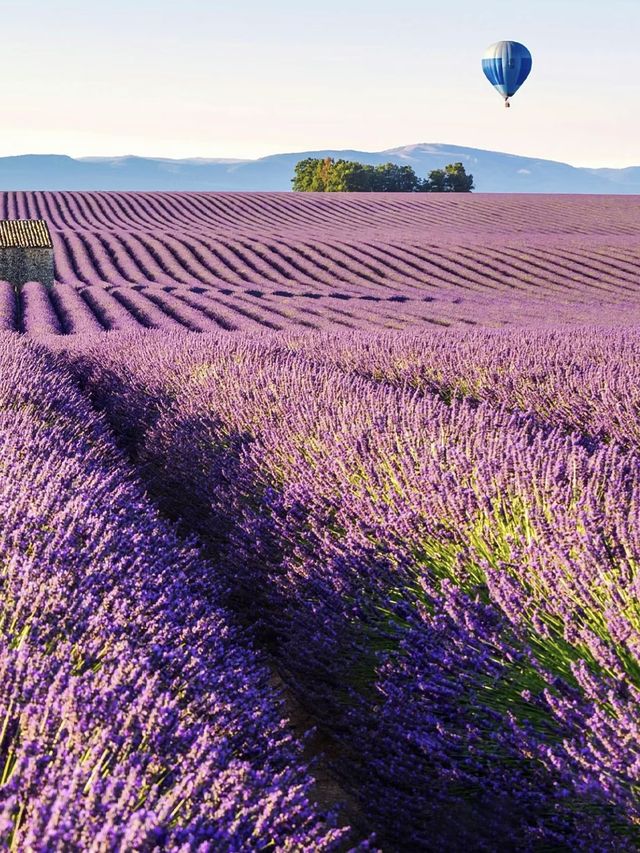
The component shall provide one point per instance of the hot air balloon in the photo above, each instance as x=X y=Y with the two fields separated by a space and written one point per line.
x=506 y=65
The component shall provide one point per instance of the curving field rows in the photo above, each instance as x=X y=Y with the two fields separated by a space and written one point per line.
x=271 y=261
x=330 y=214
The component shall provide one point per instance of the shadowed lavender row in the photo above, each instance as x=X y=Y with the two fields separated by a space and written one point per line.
x=67 y=310
x=133 y=714
x=451 y=589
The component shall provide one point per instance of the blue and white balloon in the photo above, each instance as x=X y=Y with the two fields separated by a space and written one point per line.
x=507 y=65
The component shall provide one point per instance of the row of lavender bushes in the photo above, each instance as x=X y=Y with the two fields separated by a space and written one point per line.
x=582 y=378
x=133 y=713
x=450 y=586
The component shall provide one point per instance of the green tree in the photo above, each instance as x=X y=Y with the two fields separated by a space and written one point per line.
x=436 y=182
x=452 y=179
x=312 y=175
x=457 y=179
x=390 y=178
x=359 y=178
x=347 y=176
x=304 y=174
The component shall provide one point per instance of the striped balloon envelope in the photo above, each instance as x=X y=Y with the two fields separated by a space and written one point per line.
x=506 y=65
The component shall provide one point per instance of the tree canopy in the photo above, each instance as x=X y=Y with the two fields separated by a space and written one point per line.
x=452 y=179
x=329 y=175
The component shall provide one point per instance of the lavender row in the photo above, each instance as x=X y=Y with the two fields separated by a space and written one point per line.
x=8 y=308
x=449 y=588
x=38 y=313
x=583 y=378
x=133 y=714
x=65 y=309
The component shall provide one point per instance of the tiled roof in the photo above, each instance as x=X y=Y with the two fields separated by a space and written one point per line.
x=30 y=233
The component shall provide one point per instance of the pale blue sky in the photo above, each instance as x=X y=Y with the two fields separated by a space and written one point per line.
x=247 y=78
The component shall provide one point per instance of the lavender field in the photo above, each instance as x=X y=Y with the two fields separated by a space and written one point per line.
x=273 y=261
x=363 y=465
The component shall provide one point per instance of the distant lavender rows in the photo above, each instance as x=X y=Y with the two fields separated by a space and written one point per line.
x=450 y=587
x=267 y=306
x=338 y=215
x=265 y=261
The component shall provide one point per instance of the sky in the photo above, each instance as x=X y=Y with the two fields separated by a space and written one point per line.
x=245 y=78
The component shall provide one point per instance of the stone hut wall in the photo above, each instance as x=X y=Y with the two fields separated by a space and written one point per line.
x=19 y=264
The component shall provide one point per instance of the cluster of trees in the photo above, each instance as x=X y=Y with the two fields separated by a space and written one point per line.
x=326 y=175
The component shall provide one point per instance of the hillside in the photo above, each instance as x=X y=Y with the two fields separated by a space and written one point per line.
x=281 y=261
x=493 y=171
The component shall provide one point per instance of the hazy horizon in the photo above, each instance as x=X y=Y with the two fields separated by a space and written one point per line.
x=230 y=157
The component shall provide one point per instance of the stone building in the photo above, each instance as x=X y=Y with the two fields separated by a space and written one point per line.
x=26 y=251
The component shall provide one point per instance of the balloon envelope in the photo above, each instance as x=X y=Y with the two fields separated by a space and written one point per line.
x=506 y=65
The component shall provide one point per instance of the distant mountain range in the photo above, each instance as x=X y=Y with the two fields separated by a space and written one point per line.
x=493 y=171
